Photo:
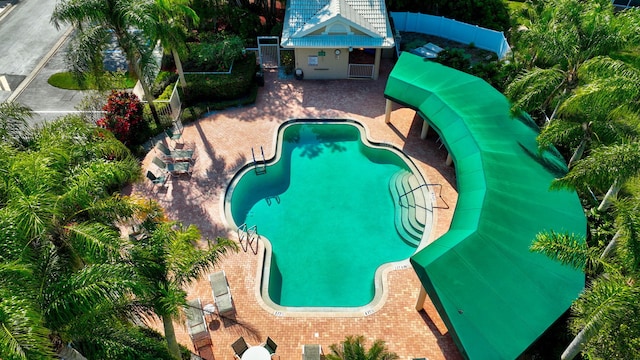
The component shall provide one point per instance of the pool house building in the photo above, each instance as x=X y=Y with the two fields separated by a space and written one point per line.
x=337 y=39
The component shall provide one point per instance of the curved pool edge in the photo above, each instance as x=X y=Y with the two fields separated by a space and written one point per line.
x=263 y=265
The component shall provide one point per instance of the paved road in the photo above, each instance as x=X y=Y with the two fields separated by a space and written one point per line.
x=26 y=36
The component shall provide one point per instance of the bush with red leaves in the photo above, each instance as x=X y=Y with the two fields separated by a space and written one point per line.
x=123 y=115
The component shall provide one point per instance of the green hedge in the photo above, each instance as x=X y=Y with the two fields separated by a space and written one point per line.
x=218 y=87
x=197 y=111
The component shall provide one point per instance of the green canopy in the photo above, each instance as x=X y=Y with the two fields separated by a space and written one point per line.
x=495 y=296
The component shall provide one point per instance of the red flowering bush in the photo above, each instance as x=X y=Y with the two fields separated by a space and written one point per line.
x=123 y=115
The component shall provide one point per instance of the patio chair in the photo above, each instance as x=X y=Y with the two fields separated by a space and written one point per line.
x=173 y=155
x=311 y=352
x=270 y=345
x=221 y=292
x=173 y=135
x=239 y=347
x=172 y=168
x=162 y=179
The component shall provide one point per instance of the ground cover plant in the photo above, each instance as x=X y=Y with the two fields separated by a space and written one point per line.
x=70 y=81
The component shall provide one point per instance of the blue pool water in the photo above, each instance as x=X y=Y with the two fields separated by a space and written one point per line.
x=326 y=208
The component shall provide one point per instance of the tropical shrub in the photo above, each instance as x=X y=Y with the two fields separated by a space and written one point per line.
x=491 y=14
x=455 y=58
x=214 y=54
x=123 y=116
x=205 y=88
x=162 y=82
x=352 y=348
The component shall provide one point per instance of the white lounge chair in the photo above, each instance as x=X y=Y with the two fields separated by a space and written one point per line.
x=196 y=323
x=221 y=292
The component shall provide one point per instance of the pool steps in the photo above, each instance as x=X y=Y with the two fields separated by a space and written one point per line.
x=410 y=209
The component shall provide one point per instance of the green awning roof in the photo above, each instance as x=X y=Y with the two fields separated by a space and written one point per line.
x=495 y=296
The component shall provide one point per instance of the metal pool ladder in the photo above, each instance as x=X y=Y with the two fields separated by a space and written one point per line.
x=259 y=170
x=248 y=234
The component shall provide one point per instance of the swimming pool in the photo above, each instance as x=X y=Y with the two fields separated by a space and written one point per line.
x=325 y=206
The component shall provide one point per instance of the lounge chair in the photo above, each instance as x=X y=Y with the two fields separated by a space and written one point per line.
x=270 y=345
x=239 y=347
x=172 y=168
x=173 y=155
x=221 y=292
x=156 y=179
x=311 y=352
x=196 y=323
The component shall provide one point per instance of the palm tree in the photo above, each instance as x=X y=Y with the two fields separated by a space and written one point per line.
x=599 y=112
x=167 y=24
x=166 y=258
x=14 y=126
x=97 y=22
x=562 y=37
x=606 y=167
x=58 y=225
x=612 y=294
x=352 y=348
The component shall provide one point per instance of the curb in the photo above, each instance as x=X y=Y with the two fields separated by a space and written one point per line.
x=40 y=65
x=5 y=11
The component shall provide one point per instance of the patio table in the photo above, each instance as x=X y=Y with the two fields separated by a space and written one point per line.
x=256 y=353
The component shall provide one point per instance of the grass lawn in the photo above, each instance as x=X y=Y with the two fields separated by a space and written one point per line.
x=66 y=80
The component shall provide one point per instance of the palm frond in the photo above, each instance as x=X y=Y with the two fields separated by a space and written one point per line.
x=560 y=132
x=14 y=125
x=85 y=290
x=605 y=296
x=602 y=167
x=532 y=89
x=22 y=334
x=94 y=241
x=568 y=249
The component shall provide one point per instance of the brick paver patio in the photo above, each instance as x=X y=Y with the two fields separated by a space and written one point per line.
x=223 y=142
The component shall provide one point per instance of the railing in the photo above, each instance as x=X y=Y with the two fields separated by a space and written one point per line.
x=364 y=71
x=409 y=192
x=168 y=109
x=248 y=234
x=257 y=169
x=228 y=72
x=433 y=196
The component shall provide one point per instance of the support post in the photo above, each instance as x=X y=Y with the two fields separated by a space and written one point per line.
x=422 y=296
x=376 y=64
x=449 y=160
x=425 y=130
x=387 y=111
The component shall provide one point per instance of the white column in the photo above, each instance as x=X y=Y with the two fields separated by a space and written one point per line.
x=387 y=111
x=449 y=160
x=422 y=296
x=425 y=130
x=376 y=64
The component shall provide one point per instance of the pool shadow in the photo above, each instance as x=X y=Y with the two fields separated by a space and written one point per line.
x=248 y=243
